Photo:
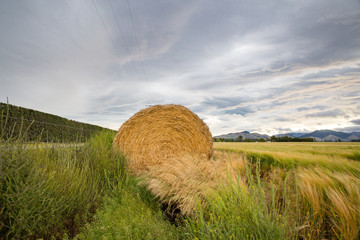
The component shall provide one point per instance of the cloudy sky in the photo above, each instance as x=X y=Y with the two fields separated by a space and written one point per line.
x=265 y=66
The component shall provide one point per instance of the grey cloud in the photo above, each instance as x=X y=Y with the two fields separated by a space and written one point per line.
x=283 y=130
x=283 y=119
x=111 y=111
x=355 y=121
x=301 y=109
x=328 y=113
x=317 y=27
x=243 y=111
x=224 y=102
x=219 y=58
x=334 y=72
x=349 y=129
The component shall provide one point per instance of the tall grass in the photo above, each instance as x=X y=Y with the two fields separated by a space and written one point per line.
x=333 y=200
x=50 y=192
x=333 y=156
x=244 y=210
x=129 y=212
x=86 y=192
x=329 y=188
x=228 y=207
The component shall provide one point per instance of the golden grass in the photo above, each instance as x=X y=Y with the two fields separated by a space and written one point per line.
x=184 y=181
x=330 y=155
x=160 y=133
x=328 y=183
x=334 y=200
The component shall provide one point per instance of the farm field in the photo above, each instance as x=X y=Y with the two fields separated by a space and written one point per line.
x=247 y=191
x=301 y=150
x=332 y=155
x=327 y=178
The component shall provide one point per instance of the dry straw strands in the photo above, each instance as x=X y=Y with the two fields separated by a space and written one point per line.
x=185 y=181
x=170 y=148
x=161 y=132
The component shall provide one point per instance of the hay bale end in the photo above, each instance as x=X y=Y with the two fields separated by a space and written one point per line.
x=161 y=132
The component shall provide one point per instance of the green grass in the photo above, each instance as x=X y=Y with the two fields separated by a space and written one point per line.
x=49 y=191
x=243 y=212
x=56 y=192
x=129 y=213
x=238 y=211
x=282 y=191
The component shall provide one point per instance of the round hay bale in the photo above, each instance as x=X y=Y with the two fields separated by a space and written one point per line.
x=162 y=132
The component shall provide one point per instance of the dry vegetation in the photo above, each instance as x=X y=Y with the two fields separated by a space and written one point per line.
x=162 y=132
x=183 y=181
x=165 y=144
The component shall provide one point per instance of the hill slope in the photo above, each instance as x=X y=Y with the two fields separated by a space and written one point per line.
x=326 y=133
x=36 y=125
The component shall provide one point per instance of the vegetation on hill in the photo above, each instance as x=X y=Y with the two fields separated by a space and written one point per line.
x=34 y=125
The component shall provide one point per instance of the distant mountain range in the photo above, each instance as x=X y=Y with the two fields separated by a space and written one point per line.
x=332 y=136
x=319 y=135
x=244 y=134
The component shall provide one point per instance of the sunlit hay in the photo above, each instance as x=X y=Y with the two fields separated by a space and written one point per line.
x=184 y=181
x=162 y=132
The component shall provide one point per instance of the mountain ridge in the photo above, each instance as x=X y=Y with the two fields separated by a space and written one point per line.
x=244 y=134
x=318 y=135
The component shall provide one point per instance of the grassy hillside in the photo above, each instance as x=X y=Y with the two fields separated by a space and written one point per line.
x=35 y=125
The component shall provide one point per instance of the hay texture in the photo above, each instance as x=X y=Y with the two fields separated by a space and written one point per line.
x=160 y=133
x=185 y=181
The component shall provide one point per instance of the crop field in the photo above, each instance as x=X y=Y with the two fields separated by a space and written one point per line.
x=326 y=177
x=246 y=191
x=338 y=155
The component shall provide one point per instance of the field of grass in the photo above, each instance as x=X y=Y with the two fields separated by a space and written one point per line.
x=302 y=152
x=331 y=155
x=327 y=178
x=248 y=191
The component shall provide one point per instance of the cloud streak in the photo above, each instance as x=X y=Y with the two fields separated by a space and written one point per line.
x=240 y=65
